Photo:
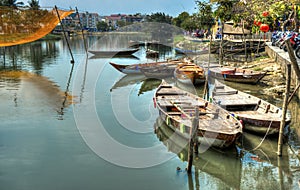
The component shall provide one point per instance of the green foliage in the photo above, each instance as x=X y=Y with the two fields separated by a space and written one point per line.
x=224 y=9
x=177 y=21
x=102 y=26
x=34 y=4
x=204 y=17
x=159 y=17
x=11 y=3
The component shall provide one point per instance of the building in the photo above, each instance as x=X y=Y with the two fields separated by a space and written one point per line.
x=89 y=20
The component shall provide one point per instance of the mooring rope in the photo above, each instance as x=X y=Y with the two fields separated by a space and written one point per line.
x=262 y=138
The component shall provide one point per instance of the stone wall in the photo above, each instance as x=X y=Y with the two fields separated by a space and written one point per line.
x=282 y=58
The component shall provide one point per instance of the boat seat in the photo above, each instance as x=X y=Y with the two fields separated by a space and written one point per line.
x=219 y=87
x=226 y=92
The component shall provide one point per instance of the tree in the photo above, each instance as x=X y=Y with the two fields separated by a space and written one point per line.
x=223 y=13
x=102 y=26
x=182 y=17
x=11 y=3
x=121 y=23
x=189 y=24
x=159 y=17
x=205 y=19
x=34 y=4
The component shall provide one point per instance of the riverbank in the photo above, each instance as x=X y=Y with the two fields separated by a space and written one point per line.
x=273 y=82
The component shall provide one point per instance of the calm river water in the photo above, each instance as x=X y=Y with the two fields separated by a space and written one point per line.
x=90 y=127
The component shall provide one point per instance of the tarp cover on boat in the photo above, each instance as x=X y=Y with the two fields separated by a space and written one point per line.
x=23 y=25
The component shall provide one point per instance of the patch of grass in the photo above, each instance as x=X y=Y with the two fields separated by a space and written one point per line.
x=257 y=69
x=178 y=38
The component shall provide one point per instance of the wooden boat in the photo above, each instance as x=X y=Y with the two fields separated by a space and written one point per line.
x=190 y=52
x=136 y=68
x=257 y=115
x=176 y=107
x=114 y=56
x=114 y=52
x=189 y=73
x=159 y=72
x=234 y=74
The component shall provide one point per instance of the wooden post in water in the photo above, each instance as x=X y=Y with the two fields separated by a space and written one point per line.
x=64 y=33
x=192 y=140
x=287 y=91
x=284 y=108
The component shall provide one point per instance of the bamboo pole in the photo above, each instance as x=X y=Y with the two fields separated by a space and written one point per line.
x=192 y=140
x=64 y=33
x=284 y=108
x=206 y=89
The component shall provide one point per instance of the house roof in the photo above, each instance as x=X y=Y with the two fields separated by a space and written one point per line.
x=229 y=29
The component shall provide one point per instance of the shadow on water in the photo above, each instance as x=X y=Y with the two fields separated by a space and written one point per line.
x=214 y=164
x=252 y=164
x=67 y=97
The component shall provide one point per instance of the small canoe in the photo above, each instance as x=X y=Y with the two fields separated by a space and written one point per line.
x=136 y=68
x=114 y=52
x=189 y=73
x=216 y=126
x=234 y=74
x=159 y=72
x=190 y=52
x=258 y=116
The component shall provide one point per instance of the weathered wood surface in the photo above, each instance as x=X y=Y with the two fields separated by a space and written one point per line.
x=177 y=108
x=252 y=110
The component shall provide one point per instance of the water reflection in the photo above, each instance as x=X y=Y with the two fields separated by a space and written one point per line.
x=126 y=80
x=33 y=55
x=148 y=85
x=30 y=91
x=254 y=166
x=212 y=164
x=264 y=161
x=67 y=96
x=29 y=97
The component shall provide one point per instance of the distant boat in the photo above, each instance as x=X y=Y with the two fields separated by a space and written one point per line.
x=190 y=52
x=189 y=73
x=136 y=68
x=234 y=74
x=257 y=115
x=113 y=52
x=159 y=71
x=216 y=127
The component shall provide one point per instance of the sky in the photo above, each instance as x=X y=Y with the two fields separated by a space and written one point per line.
x=107 y=7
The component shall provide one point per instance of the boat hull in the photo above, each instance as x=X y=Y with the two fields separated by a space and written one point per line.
x=261 y=126
x=251 y=78
x=114 y=52
x=178 y=108
x=258 y=116
x=189 y=74
x=205 y=138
